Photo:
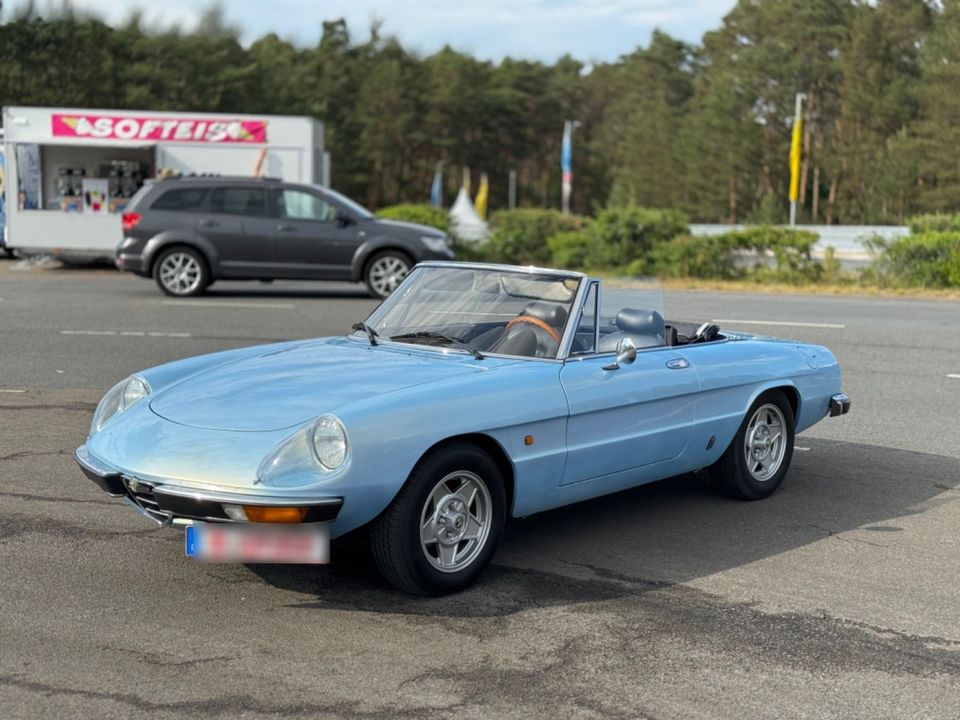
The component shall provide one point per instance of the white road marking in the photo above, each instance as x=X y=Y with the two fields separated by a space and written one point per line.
x=955 y=376
x=801 y=449
x=127 y=333
x=10 y=390
x=227 y=304
x=779 y=323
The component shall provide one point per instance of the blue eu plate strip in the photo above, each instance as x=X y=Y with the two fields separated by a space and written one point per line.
x=192 y=541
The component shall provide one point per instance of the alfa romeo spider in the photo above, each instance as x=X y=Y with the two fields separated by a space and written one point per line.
x=474 y=392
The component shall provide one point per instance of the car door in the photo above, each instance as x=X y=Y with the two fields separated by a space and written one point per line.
x=237 y=224
x=639 y=414
x=314 y=237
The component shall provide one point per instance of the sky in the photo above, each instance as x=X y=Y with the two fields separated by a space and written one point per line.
x=589 y=30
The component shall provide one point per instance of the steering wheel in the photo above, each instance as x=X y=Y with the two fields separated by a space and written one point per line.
x=537 y=322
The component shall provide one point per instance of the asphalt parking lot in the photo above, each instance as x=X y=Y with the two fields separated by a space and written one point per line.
x=836 y=598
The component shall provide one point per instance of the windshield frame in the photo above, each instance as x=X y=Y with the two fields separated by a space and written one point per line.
x=569 y=329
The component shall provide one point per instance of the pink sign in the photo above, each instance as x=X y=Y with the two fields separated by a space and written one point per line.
x=155 y=129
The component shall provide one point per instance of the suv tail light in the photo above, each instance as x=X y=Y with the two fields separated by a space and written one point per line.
x=130 y=220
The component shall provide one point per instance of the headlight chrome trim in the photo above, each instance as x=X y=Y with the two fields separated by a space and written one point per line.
x=328 y=438
x=117 y=400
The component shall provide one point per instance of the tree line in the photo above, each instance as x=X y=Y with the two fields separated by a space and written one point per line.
x=700 y=128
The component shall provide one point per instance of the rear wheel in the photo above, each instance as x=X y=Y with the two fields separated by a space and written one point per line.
x=181 y=272
x=385 y=271
x=759 y=457
x=441 y=530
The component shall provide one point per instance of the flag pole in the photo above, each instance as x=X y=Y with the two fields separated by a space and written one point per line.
x=795 y=158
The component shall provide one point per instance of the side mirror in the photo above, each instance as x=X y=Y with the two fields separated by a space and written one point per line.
x=342 y=219
x=626 y=354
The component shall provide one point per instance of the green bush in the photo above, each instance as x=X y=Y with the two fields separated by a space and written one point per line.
x=421 y=214
x=934 y=222
x=925 y=259
x=708 y=257
x=520 y=236
x=571 y=249
x=741 y=254
x=625 y=236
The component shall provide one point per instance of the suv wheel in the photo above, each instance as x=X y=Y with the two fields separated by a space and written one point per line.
x=181 y=272
x=385 y=271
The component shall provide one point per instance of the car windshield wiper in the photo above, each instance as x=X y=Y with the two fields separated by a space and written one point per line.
x=431 y=335
x=372 y=334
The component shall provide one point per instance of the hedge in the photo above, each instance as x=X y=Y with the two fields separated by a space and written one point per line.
x=926 y=259
x=520 y=236
x=422 y=214
x=741 y=254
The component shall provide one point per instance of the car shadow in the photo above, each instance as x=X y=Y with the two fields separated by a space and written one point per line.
x=651 y=537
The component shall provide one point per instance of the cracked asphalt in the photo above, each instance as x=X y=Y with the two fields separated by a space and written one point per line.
x=835 y=598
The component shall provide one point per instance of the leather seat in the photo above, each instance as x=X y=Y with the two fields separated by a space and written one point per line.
x=544 y=320
x=645 y=328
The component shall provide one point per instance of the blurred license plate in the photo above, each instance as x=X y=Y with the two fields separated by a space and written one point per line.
x=259 y=543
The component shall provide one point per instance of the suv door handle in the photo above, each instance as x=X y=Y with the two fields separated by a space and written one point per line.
x=284 y=227
x=207 y=223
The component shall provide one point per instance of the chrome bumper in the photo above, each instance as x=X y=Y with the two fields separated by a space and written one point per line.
x=839 y=405
x=165 y=504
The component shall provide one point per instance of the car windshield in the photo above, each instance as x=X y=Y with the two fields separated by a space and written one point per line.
x=354 y=207
x=479 y=310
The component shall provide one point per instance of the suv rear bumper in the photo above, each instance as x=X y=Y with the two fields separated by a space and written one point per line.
x=131 y=263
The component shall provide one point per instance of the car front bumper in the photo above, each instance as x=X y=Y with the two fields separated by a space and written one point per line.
x=170 y=504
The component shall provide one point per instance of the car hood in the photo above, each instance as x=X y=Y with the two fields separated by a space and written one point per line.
x=409 y=227
x=287 y=387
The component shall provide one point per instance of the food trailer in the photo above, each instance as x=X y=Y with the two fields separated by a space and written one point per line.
x=70 y=173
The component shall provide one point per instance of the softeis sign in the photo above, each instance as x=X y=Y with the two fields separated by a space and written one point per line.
x=158 y=129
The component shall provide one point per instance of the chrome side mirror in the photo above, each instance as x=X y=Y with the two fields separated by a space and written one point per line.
x=626 y=354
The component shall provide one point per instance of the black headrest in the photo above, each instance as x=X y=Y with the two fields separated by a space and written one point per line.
x=551 y=313
x=648 y=322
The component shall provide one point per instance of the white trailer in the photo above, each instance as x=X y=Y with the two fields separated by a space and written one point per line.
x=69 y=172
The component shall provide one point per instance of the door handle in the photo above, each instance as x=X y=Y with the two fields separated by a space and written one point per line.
x=208 y=223
x=678 y=364
x=284 y=227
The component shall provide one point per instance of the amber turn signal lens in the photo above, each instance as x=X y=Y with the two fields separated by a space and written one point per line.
x=528 y=440
x=258 y=513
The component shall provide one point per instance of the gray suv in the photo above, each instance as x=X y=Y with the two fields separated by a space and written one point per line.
x=188 y=232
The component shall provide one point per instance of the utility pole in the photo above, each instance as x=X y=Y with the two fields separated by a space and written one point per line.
x=795 y=158
x=512 y=190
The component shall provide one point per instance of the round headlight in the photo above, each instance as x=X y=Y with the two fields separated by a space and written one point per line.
x=118 y=398
x=133 y=390
x=329 y=442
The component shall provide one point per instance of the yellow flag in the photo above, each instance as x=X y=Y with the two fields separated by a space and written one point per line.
x=480 y=203
x=795 y=161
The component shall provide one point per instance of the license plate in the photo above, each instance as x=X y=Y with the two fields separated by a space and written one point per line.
x=259 y=543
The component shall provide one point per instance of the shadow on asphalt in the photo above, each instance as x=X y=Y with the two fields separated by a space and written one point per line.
x=651 y=537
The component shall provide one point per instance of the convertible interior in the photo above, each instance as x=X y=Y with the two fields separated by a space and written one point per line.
x=537 y=330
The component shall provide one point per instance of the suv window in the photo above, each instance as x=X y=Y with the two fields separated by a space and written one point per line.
x=299 y=205
x=181 y=199
x=239 y=201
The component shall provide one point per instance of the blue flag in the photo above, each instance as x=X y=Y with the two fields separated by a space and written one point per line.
x=436 y=190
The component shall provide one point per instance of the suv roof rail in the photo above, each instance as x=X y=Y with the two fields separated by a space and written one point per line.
x=218 y=176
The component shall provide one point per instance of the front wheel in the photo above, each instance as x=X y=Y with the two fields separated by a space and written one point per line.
x=385 y=271
x=758 y=458
x=441 y=530
x=181 y=272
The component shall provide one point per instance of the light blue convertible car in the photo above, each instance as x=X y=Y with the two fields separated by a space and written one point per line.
x=473 y=392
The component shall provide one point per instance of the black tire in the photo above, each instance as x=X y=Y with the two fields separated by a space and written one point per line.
x=194 y=263
x=733 y=475
x=395 y=537
x=384 y=271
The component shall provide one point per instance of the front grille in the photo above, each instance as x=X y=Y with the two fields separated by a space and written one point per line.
x=141 y=494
